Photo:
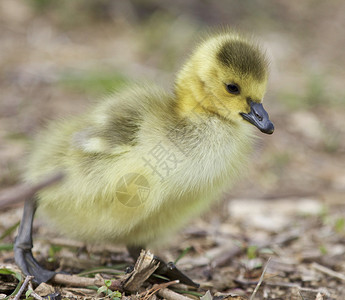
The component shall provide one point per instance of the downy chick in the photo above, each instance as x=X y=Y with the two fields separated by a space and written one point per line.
x=143 y=162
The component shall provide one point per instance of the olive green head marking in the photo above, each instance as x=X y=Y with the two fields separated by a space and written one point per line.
x=244 y=58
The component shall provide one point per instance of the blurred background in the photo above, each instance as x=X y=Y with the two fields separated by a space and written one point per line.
x=56 y=57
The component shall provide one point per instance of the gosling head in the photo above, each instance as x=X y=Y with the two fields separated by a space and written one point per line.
x=226 y=76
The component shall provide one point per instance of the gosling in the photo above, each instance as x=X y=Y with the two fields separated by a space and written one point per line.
x=143 y=161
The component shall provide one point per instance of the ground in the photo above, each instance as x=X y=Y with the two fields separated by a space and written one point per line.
x=287 y=212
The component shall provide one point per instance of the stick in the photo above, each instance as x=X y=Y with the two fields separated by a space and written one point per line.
x=144 y=267
x=21 y=192
x=33 y=293
x=328 y=271
x=149 y=293
x=77 y=281
x=260 y=280
x=23 y=287
x=171 y=295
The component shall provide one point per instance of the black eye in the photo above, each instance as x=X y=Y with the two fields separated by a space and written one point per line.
x=233 y=88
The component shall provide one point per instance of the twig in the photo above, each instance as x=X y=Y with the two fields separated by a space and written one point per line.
x=21 y=192
x=33 y=293
x=260 y=280
x=148 y=294
x=171 y=295
x=328 y=271
x=74 y=280
x=144 y=267
x=23 y=287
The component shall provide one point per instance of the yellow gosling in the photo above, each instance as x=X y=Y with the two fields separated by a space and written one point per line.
x=143 y=162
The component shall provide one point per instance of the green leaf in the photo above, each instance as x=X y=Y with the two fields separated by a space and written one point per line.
x=116 y=295
x=107 y=283
x=183 y=253
x=92 y=287
x=5 y=271
x=161 y=277
x=102 y=289
x=108 y=270
x=28 y=293
x=188 y=292
x=17 y=275
x=251 y=251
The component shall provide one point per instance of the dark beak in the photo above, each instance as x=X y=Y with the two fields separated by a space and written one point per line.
x=259 y=118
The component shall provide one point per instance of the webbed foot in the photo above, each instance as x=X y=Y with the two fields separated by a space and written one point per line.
x=172 y=272
x=27 y=263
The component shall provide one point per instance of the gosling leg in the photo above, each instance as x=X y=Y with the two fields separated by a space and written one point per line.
x=23 y=245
